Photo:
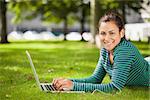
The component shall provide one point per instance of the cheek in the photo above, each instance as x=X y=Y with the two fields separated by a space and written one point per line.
x=117 y=40
x=101 y=38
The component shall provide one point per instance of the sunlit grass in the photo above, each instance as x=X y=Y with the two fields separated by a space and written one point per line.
x=54 y=59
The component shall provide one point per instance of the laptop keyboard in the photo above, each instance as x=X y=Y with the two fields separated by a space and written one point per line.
x=48 y=87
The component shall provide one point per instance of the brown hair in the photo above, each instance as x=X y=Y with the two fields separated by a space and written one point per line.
x=113 y=15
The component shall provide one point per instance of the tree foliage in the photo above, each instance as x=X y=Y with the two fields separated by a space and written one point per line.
x=67 y=11
x=50 y=11
x=121 y=6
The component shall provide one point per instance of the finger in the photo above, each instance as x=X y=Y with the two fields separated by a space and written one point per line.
x=53 y=81
x=63 y=87
x=67 y=85
x=60 y=88
x=59 y=84
x=56 y=80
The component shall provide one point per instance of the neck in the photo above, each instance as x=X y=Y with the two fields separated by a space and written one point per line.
x=111 y=52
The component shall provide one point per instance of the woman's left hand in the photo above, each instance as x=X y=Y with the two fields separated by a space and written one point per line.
x=62 y=84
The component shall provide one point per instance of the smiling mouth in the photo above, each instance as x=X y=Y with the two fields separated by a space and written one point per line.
x=107 y=44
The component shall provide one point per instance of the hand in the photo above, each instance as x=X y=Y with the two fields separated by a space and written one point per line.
x=62 y=84
x=56 y=81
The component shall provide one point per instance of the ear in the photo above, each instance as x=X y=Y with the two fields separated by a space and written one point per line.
x=122 y=33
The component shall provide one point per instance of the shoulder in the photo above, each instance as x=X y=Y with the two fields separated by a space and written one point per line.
x=125 y=51
x=103 y=55
x=103 y=52
x=125 y=47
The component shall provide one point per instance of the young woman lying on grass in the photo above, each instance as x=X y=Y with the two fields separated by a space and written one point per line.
x=118 y=57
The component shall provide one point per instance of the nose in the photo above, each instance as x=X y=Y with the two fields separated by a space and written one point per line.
x=107 y=37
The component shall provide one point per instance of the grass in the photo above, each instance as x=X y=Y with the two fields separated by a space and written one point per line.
x=55 y=59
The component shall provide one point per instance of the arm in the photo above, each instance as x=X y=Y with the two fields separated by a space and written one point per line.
x=122 y=62
x=97 y=75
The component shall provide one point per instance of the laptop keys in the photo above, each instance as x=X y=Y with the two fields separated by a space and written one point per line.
x=52 y=87
x=49 y=87
x=46 y=87
x=42 y=87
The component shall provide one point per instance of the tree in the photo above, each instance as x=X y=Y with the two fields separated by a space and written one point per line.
x=23 y=10
x=50 y=11
x=60 y=10
x=94 y=19
x=135 y=5
x=101 y=6
x=84 y=9
x=121 y=6
x=3 y=10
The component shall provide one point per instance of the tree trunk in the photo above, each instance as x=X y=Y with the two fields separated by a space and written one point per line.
x=82 y=21
x=94 y=19
x=65 y=27
x=3 y=21
x=123 y=11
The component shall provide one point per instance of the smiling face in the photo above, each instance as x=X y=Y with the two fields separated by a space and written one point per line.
x=110 y=35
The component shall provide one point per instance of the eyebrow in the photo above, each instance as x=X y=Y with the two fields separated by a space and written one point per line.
x=111 y=31
x=108 y=31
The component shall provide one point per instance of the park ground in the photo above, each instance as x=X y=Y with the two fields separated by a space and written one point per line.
x=55 y=59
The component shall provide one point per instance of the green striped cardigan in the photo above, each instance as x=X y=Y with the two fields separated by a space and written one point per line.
x=129 y=68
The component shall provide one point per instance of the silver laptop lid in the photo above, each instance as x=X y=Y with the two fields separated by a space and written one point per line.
x=33 y=69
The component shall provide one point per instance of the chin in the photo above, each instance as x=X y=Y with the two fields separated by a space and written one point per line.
x=109 y=49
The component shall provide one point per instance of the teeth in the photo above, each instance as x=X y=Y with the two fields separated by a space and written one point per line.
x=108 y=43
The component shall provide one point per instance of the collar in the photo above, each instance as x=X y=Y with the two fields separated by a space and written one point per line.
x=122 y=41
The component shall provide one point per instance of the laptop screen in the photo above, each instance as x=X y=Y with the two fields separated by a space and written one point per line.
x=33 y=69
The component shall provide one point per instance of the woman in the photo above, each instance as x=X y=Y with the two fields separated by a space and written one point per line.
x=118 y=57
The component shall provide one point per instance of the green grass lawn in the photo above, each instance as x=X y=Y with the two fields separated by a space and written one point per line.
x=55 y=59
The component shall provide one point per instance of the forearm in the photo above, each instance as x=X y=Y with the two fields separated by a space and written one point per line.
x=89 y=87
x=91 y=79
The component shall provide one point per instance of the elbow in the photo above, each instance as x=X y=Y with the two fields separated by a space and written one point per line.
x=117 y=87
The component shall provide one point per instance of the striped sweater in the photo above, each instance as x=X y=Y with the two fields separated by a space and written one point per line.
x=129 y=68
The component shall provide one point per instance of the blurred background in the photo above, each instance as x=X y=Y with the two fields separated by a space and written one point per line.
x=74 y=20
x=48 y=29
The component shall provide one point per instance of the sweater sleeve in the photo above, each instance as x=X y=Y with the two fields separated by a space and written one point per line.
x=97 y=75
x=122 y=62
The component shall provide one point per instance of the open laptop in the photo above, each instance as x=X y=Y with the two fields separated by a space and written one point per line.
x=47 y=87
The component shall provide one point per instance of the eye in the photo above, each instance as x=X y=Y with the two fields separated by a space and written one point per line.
x=102 y=33
x=111 y=33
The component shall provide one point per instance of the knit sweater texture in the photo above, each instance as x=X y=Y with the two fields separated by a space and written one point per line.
x=129 y=69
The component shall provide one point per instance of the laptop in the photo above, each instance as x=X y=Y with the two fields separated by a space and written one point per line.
x=47 y=87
